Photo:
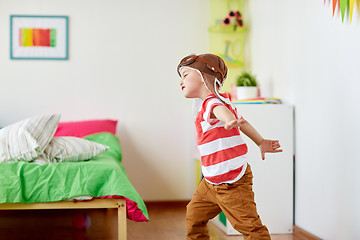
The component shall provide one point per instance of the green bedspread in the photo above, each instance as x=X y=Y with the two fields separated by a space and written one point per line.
x=102 y=175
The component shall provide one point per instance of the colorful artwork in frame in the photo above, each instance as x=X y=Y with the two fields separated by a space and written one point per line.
x=39 y=37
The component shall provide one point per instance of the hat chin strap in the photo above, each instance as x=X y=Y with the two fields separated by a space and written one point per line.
x=217 y=82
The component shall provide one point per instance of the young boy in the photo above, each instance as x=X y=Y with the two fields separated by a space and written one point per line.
x=227 y=182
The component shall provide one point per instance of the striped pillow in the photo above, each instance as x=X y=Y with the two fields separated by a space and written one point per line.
x=72 y=149
x=27 y=139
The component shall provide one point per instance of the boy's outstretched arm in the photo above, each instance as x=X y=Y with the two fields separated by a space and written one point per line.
x=223 y=114
x=265 y=145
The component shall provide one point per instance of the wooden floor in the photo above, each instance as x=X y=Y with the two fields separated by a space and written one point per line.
x=166 y=223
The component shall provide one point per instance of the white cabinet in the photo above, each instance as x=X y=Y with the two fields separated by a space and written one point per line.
x=273 y=178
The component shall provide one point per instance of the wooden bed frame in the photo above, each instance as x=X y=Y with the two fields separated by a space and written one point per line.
x=120 y=204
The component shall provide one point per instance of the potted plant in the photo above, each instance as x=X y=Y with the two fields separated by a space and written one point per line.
x=246 y=86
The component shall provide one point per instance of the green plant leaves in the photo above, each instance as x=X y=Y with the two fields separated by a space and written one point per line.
x=246 y=79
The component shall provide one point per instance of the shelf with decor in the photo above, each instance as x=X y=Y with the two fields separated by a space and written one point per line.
x=228 y=43
x=227 y=35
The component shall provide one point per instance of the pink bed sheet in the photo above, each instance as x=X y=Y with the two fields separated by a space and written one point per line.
x=133 y=212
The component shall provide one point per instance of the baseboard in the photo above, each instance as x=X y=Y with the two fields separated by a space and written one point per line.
x=301 y=234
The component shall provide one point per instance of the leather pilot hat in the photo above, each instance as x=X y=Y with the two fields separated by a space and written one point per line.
x=211 y=67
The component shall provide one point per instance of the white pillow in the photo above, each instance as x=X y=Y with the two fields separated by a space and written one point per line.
x=27 y=139
x=41 y=160
x=72 y=149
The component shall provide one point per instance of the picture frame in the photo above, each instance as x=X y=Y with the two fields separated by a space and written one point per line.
x=39 y=37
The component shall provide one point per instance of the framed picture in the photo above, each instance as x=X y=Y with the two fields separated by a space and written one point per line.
x=39 y=37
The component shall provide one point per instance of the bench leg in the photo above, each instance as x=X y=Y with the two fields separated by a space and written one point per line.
x=122 y=220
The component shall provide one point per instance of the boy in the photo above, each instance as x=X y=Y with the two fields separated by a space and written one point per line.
x=227 y=182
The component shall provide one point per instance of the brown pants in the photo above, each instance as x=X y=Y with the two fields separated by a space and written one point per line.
x=236 y=200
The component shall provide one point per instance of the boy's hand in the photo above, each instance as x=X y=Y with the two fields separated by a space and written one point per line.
x=234 y=123
x=270 y=146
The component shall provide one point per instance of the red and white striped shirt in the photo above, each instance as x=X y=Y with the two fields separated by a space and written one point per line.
x=223 y=152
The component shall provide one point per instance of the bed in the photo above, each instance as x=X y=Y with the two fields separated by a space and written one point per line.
x=27 y=185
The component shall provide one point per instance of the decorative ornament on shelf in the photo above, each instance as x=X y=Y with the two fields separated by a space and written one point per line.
x=227 y=32
x=234 y=18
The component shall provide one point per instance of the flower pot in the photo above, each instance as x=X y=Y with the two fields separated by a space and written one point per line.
x=246 y=92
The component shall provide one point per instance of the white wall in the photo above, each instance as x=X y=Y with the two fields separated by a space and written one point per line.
x=122 y=65
x=123 y=56
x=310 y=59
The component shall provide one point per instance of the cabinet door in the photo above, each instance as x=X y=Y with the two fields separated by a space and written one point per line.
x=273 y=178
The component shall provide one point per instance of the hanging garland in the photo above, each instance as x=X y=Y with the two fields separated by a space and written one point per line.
x=343 y=5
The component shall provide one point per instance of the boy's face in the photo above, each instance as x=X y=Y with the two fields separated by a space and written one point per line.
x=191 y=83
